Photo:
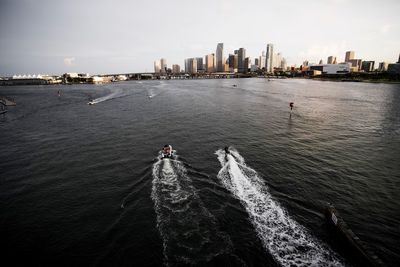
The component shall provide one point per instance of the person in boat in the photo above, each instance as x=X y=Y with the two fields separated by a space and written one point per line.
x=226 y=150
x=167 y=151
x=291 y=104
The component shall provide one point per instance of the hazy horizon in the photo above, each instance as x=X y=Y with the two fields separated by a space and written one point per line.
x=54 y=37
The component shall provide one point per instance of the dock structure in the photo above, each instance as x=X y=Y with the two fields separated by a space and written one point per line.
x=363 y=254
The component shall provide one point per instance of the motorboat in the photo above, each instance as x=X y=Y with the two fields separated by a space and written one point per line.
x=91 y=102
x=167 y=152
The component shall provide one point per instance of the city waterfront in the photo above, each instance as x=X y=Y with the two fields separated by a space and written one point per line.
x=81 y=185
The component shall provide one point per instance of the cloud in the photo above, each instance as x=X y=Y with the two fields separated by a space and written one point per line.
x=385 y=28
x=69 y=61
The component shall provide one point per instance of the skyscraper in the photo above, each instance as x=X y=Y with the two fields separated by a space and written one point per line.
x=219 y=55
x=175 y=69
x=383 y=66
x=246 y=64
x=331 y=60
x=241 y=59
x=199 y=64
x=191 y=65
x=157 y=66
x=210 y=67
x=163 y=63
x=231 y=61
x=262 y=60
x=269 y=60
x=349 y=56
x=367 y=66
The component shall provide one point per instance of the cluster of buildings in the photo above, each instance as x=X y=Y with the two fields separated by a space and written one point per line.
x=236 y=62
x=350 y=64
x=66 y=78
x=270 y=62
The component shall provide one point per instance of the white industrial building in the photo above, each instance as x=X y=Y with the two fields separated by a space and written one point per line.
x=332 y=68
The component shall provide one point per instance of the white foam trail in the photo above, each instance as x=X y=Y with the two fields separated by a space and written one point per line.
x=287 y=241
x=117 y=93
x=189 y=231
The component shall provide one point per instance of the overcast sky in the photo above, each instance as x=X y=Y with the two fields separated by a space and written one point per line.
x=120 y=36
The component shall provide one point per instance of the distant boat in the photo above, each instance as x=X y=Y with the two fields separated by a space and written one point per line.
x=91 y=102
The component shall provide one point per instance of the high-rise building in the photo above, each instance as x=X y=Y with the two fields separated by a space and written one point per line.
x=200 y=64
x=262 y=60
x=176 y=69
x=383 y=66
x=277 y=60
x=269 y=58
x=231 y=62
x=256 y=62
x=367 y=66
x=321 y=62
x=191 y=65
x=163 y=65
x=157 y=66
x=219 y=57
x=210 y=63
x=355 y=64
x=331 y=60
x=349 y=56
x=241 y=59
x=283 y=64
x=246 y=64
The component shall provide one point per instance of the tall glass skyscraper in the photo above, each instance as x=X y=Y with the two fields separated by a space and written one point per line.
x=241 y=59
x=219 y=57
x=269 y=58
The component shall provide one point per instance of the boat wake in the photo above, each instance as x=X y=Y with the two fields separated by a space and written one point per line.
x=189 y=231
x=287 y=241
x=116 y=94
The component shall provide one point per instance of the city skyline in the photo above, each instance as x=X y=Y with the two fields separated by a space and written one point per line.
x=105 y=37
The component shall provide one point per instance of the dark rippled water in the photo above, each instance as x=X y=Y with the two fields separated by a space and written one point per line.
x=82 y=185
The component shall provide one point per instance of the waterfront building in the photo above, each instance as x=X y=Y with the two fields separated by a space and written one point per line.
x=355 y=64
x=241 y=60
x=262 y=60
x=187 y=67
x=394 y=68
x=219 y=57
x=210 y=63
x=200 y=64
x=226 y=67
x=349 y=56
x=163 y=64
x=176 y=69
x=331 y=60
x=383 y=66
x=283 y=64
x=277 y=60
x=331 y=68
x=269 y=58
x=246 y=64
x=367 y=66
x=157 y=66
x=191 y=65
x=231 y=62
